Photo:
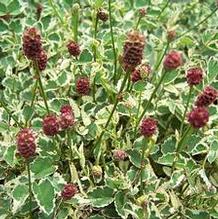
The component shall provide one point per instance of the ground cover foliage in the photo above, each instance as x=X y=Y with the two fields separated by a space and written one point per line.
x=108 y=109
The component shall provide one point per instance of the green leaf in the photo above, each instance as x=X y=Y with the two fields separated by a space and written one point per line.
x=170 y=76
x=9 y=155
x=135 y=158
x=212 y=69
x=42 y=166
x=213 y=153
x=120 y=202
x=86 y=56
x=139 y=86
x=169 y=145
x=45 y=196
x=101 y=197
x=19 y=194
x=27 y=112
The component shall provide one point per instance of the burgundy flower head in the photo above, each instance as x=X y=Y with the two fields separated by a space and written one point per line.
x=140 y=72
x=73 y=48
x=102 y=15
x=42 y=60
x=83 y=86
x=69 y=191
x=39 y=9
x=194 y=76
x=119 y=155
x=26 y=145
x=148 y=127
x=133 y=50
x=207 y=97
x=173 y=60
x=171 y=35
x=32 y=45
x=142 y=12
x=67 y=117
x=50 y=125
x=198 y=117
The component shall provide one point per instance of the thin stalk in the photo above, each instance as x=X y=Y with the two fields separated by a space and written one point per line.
x=198 y=24
x=41 y=87
x=163 y=9
x=138 y=22
x=113 y=110
x=142 y=166
x=149 y=102
x=57 y=208
x=160 y=60
x=75 y=24
x=186 y=108
x=10 y=114
x=180 y=144
x=34 y=93
x=30 y=189
x=52 y=5
x=112 y=40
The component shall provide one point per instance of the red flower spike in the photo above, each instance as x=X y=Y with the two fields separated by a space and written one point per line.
x=26 y=145
x=50 y=125
x=83 y=86
x=69 y=191
x=148 y=127
x=198 y=117
x=173 y=60
x=194 y=76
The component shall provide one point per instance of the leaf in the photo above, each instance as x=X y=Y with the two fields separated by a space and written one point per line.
x=19 y=195
x=213 y=153
x=212 y=69
x=42 y=166
x=45 y=196
x=9 y=155
x=139 y=86
x=86 y=56
x=170 y=76
x=135 y=158
x=119 y=202
x=27 y=113
x=101 y=197
x=169 y=145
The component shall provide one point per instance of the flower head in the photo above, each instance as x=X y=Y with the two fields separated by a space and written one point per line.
x=148 y=127
x=83 y=86
x=67 y=117
x=198 y=117
x=194 y=76
x=26 y=145
x=50 y=125
x=73 y=48
x=173 y=60
x=69 y=191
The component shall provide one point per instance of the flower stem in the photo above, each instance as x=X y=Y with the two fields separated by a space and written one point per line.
x=51 y=3
x=138 y=22
x=57 y=208
x=10 y=114
x=163 y=9
x=41 y=87
x=198 y=24
x=186 y=108
x=75 y=24
x=30 y=189
x=142 y=164
x=111 y=114
x=149 y=101
x=112 y=40
x=34 y=93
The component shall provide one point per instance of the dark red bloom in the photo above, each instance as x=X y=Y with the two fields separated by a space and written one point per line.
x=26 y=145
x=83 y=86
x=73 y=48
x=42 y=60
x=32 y=45
x=207 y=97
x=133 y=50
x=39 y=9
x=69 y=191
x=194 y=76
x=119 y=155
x=148 y=127
x=142 y=12
x=67 y=117
x=102 y=15
x=140 y=72
x=198 y=117
x=171 y=35
x=51 y=125
x=173 y=60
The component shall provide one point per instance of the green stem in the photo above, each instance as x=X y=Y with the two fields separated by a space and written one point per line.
x=160 y=60
x=149 y=101
x=41 y=87
x=112 y=40
x=198 y=24
x=34 y=93
x=30 y=189
x=57 y=208
x=10 y=114
x=52 y=5
x=163 y=9
x=112 y=112
x=186 y=108
x=75 y=24
x=138 y=22
x=142 y=165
